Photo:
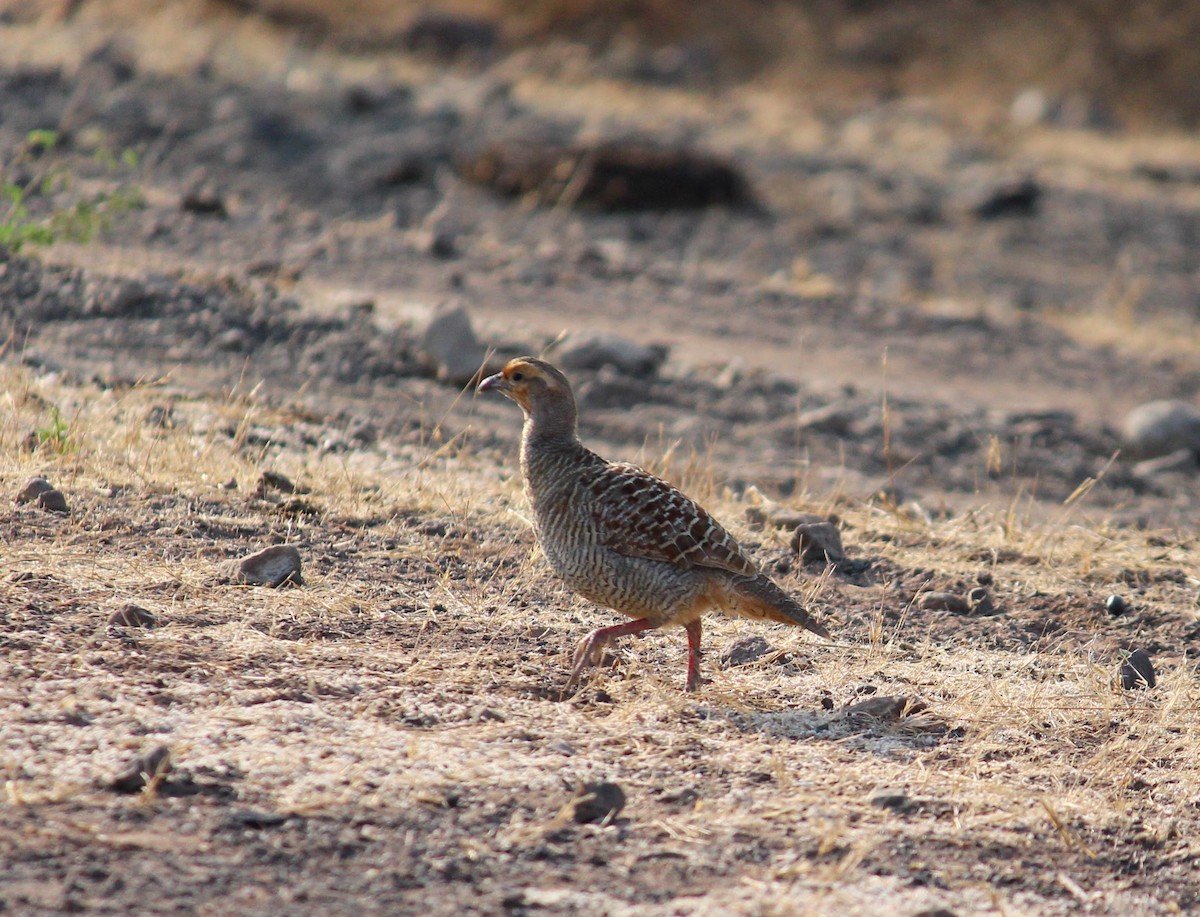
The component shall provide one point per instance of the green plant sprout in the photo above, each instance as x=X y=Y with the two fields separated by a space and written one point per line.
x=56 y=433
x=80 y=220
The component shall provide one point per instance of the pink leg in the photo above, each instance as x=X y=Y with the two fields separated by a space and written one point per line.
x=693 y=671
x=590 y=648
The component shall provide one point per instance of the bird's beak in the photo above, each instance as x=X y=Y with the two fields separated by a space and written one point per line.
x=496 y=383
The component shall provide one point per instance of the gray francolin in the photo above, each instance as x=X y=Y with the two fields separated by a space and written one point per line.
x=624 y=538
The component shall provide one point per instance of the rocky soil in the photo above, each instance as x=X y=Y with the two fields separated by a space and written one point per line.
x=933 y=334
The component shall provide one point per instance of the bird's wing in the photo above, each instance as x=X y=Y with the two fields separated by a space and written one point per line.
x=640 y=515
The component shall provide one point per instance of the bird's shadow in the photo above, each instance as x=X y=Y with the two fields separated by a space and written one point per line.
x=896 y=716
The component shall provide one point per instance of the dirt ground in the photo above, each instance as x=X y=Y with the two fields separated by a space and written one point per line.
x=927 y=329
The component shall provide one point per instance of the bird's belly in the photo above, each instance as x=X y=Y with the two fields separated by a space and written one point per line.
x=634 y=586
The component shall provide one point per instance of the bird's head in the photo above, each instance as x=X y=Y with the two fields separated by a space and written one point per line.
x=531 y=383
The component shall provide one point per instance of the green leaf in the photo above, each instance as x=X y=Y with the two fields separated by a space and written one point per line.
x=42 y=139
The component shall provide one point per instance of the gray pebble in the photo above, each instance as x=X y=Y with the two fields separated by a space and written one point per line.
x=980 y=601
x=598 y=801
x=1138 y=671
x=1116 y=605
x=450 y=344
x=273 y=566
x=1161 y=428
x=142 y=771
x=891 y=799
x=132 y=616
x=53 y=501
x=818 y=542
x=744 y=651
x=945 y=601
x=33 y=489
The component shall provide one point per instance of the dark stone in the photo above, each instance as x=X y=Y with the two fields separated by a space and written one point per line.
x=818 y=542
x=744 y=651
x=945 y=601
x=273 y=566
x=143 y=771
x=273 y=480
x=32 y=490
x=204 y=202
x=53 y=501
x=250 y=818
x=1138 y=671
x=132 y=616
x=1011 y=199
x=598 y=801
x=612 y=176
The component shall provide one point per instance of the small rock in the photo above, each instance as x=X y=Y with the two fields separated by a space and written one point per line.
x=129 y=297
x=1009 y=199
x=253 y=819
x=893 y=800
x=236 y=339
x=53 y=501
x=363 y=432
x=333 y=445
x=598 y=801
x=744 y=651
x=161 y=417
x=145 y=770
x=888 y=707
x=33 y=489
x=204 y=201
x=273 y=480
x=273 y=566
x=612 y=176
x=1116 y=605
x=1161 y=428
x=588 y=351
x=836 y=419
x=980 y=601
x=132 y=616
x=1137 y=671
x=1030 y=106
x=450 y=343
x=818 y=542
x=610 y=253
x=440 y=243
x=945 y=601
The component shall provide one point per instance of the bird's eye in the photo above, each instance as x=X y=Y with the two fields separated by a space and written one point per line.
x=517 y=377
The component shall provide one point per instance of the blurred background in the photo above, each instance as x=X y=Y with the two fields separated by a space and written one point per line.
x=1096 y=62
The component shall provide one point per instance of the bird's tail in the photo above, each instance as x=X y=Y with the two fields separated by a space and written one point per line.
x=759 y=597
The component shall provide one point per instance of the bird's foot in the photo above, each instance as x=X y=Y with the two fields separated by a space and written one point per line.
x=588 y=654
x=590 y=650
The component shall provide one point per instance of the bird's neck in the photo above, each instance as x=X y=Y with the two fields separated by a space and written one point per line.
x=549 y=436
x=552 y=422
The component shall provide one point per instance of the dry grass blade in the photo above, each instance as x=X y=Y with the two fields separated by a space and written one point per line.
x=411 y=685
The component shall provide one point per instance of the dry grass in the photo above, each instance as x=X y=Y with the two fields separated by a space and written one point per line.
x=411 y=686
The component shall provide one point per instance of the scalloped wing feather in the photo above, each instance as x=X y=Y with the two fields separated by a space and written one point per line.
x=640 y=515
